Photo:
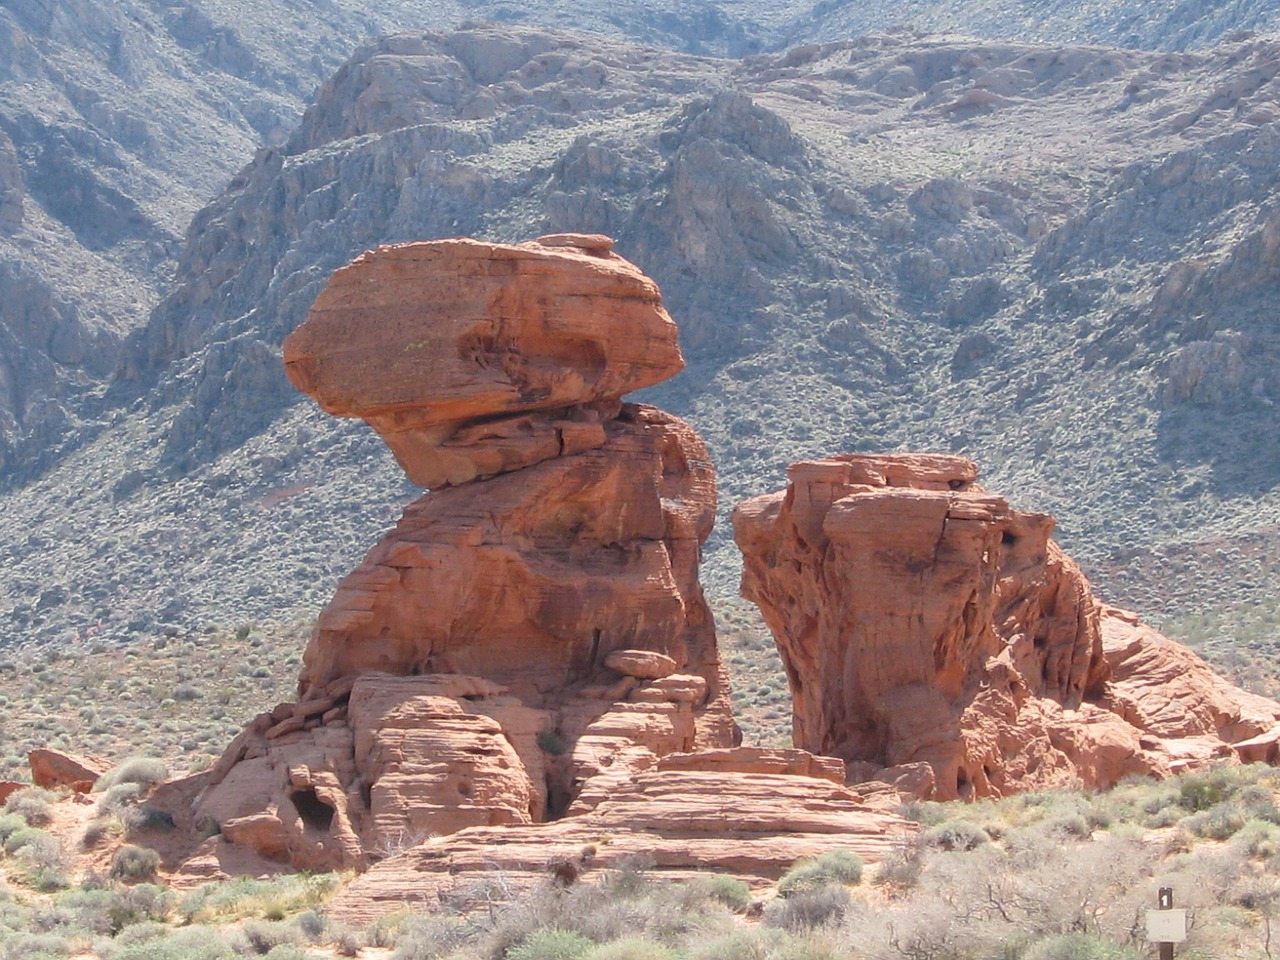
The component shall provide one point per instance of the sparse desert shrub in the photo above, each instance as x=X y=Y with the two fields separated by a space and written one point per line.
x=385 y=931
x=1067 y=825
x=550 y=944
x=956 y=835
x=10 y=823
x=190 y=943
x=119 y=799
x=261 y=937
x=729 y=891
x=136 y=933
x=40 y=860
x=1078 y=946
x=630 y=948
x=99 y=829
x=32 y=804
x=245 y=897
x=425 y=937
x=146 y=772
x=26 y=836
x=1258 y=840
x=902 y=866
x=1219 y=822
x=312 y=924
x=140 y=903
x=287 y=951
x=830 y=867
x=36 y=946
x=346 y=940
x=134 y=863
x=741 y=944
x=808 y=908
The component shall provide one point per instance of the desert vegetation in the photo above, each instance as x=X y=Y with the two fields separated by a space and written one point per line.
x=179 y=698
x=1045 y=876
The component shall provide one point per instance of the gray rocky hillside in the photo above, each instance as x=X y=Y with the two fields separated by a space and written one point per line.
x=119 y=121
x=1055 y=259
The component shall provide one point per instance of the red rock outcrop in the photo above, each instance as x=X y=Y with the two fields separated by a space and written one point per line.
x=52 y=769
x=923 y=620
x=749 y=812
x=473 y=358
x=531 y=642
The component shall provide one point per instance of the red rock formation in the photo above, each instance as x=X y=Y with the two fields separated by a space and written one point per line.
x=530 y=643
x=51 y=769
x=473 y=358
x=752 y=813
x=531 y=638
x=921 y=619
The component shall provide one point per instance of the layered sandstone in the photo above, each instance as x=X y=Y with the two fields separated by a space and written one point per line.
x=748 y=812
x=923 y=620
x=531 y=642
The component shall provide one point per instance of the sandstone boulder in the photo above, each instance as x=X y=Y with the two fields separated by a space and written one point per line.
x=52 y=769
x=474 y=358
x=923 y=620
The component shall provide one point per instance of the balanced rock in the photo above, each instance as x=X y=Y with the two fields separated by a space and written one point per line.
x=532 y=637
x=923 y=620
x=473 y=358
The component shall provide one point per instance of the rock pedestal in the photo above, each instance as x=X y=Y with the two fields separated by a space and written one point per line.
x=922 y=620
x=531 y=642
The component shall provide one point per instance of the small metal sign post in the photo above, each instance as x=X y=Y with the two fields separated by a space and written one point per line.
x=1165 y=925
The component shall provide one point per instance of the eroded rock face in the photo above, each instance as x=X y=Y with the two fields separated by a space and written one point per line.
x=923 y=620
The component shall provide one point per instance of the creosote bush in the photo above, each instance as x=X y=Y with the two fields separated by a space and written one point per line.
x=830 y=868
x=144 y=772
x=134 y=863
x=550 y=944
x=32 y=804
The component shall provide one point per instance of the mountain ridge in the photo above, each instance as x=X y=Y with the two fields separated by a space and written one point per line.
x=889 y=242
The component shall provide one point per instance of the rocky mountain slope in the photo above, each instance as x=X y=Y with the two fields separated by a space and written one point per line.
x=1053 y=259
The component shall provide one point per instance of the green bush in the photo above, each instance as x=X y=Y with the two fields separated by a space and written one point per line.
x=831 y=867
x=145 y=772
x=190 y=943
x=630 y=948
x=956 y=835
x=724 y=889
x=247 y=897
x=551 y=944
x=32 y=804
x=26 y=837
x=808 y=908
x=134 y=863
x=741 y=944
x=1219 y=822
x=10 y=823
